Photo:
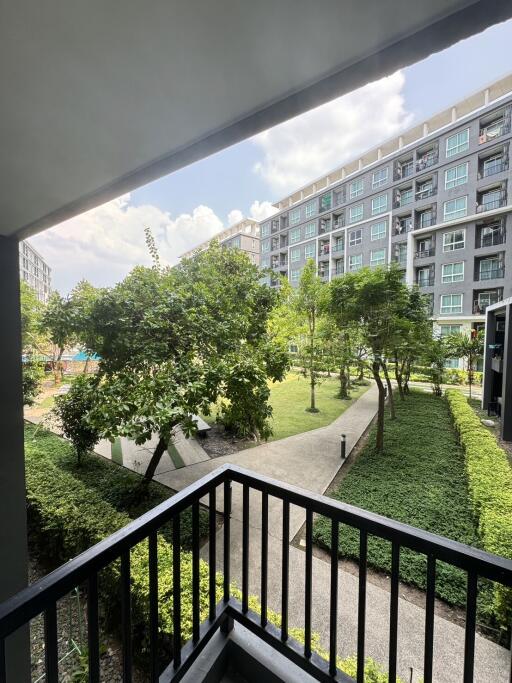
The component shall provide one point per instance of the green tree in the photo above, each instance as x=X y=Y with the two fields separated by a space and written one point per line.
x=59 y=326
x=33 y=343
x=469 y=347
x=73 y=410
x=435 y=355
x=309 y=303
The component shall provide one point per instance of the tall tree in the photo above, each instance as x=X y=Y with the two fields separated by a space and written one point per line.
x=309 y=303
x=469 y=347
x=60 y=328
x=33 y=342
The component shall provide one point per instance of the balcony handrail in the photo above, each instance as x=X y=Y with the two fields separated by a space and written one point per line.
x=42 y=595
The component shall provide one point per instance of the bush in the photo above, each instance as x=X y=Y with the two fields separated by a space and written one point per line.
x=72 y=410
x=33 y=374
x=490 y=488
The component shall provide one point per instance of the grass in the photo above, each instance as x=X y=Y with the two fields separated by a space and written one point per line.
x=118 y=486
x=420 y=480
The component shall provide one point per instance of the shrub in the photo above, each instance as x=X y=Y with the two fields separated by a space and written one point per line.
x=33 y=374
x=72 y=410
x=490 y=488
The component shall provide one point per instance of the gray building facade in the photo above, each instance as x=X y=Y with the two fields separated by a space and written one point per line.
x=436 y=200
x=35 y=271
x=244 y=235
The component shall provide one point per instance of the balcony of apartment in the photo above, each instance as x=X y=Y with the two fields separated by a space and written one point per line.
x=426 y=157
x=324 y=249
x=324 y=226
x=284 y=222
x=425 y=218
x=274 y=244
x=490 y=267
x=425 y=188
x=338 y=197
x=402 y=225
x=490 y=234
x=493 y=163
x=338 y=220
x=403 y=197
x=283 y=241
x=323 y=271
x=403 y=168
x=338 y=246
x=484 y=298
x=491 y=198
x=339 y=267
x=276 y=224
x=494 y=126
x=425 y=248
x=425 y=277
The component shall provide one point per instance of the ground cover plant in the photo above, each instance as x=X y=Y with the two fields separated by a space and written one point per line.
x=419 y=479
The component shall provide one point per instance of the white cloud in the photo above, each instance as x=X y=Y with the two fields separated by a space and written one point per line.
x=308 y=146
x=235 y=216
x=105 y=243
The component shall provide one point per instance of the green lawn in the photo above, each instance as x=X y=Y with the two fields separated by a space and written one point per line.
x=290 y=399
x=420 y=480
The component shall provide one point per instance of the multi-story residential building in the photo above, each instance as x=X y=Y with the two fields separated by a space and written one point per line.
x=35 y=271
x=244 y=235
x=435 y=200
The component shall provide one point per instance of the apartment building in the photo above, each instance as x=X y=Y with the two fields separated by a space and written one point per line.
x=435 y=200
x=244 y=235
x=35 y=271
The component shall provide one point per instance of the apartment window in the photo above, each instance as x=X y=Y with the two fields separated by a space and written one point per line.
x=456 y=239
x=378 y=230
x=380 y=177
x=326 y=202
x=456 y=208
x=452 y=272
x=265 y=262
x=490 y=268
x=310 y=209
x=265 y=246
x=455 y=144
x=355 y=213
x=405 y=196
x=458 y=175
x=378 y=257
x=295 y=254
x=355 y=237
x=356 y=188
x=425 y=277
x=310 y=230
x=401 y=253
x=379 y=204
x=309 y=251
x=294 y=216
x=294 y=275
x=451 y=303
x=295 y=235
x=426 y=218
x=265 y=230
x=447 y=330
x=355 y=262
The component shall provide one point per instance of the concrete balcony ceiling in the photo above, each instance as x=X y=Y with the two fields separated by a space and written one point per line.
x=101 y=97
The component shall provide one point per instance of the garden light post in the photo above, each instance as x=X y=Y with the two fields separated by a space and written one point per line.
x=343 y=446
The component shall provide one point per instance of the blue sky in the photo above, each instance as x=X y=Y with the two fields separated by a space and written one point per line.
x=192 y=204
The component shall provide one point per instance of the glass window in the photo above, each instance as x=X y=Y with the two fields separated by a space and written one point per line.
x=310 y=230
x=451 y=363
x=295 y=235
x=265 y=246
x=378 y=257
x=447 y=330
x=294 y=275
x=294 y=216
x=355 y=262
x=456 y=208
x=265 y=229
x=426 y=218
x=379 y=204
x=405 y=196
x=378 y=230
x=458 y=175
x=355 y=213
x=309 y=251
x=325 y=201
x=310 y=209
x=455 y=144
x=295 y=254
x=355 y=237
x=454 y=240
x=356 y=188
x=452 y=272
x=451 y=303
x=265 y=262
x=380 y=177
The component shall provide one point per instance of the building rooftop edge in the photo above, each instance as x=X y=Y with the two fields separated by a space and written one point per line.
x=230 y=231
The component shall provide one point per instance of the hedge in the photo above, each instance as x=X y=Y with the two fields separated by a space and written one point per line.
x=66 y=517
x=490 y=487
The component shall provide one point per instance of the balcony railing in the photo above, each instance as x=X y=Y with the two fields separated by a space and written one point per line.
x=493 y=131
x=337 y=248
x=426 y=192
x=425 y=253
x=339 y=222
x=403 y=170
x=496 y=166
x=490 y=204
x=426 y=221
x=481 y=306
x=495 y=272
x=426 y=161
x=491 y=239
x=42 y=596
x=402 y=228
x=425 y=281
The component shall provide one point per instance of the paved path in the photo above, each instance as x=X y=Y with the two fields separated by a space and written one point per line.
x=311 y=460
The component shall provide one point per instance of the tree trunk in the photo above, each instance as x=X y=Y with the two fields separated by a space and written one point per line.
x=380 y=415
x=86 y=365
x=398 y=377
x=390 y=392
x=312 y=374
x=406 y=377
x=360 y=377
x=155 y=459
x=343 y=393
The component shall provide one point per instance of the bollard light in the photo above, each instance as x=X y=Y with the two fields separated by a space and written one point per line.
x=343 y=446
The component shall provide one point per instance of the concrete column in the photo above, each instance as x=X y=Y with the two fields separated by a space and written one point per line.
x=425 y=130
x=486 y=96
x=360 y=164
x=400 y=142
x=454 y=114
x=490 y=338
x=379 y=154
x=506 y=389
x=13 y=526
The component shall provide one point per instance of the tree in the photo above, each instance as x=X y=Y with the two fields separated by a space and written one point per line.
x=469 y=347
x=309 y=303
x=59 y=326
x=32 y=341
x=372 y=299
x=73 y=410
x=435 y=354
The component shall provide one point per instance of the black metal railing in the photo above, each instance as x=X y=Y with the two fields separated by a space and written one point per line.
x=492 y=273
x=490 y=204
x=426 y=161
x=42 y=596
x=426 y=281
x=425 y=253
x=491 y=239
x=493 y=167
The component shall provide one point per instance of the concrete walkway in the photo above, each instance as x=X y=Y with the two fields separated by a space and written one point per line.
x=311 y=460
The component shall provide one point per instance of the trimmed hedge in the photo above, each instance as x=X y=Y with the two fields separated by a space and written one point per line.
x=490 y=487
